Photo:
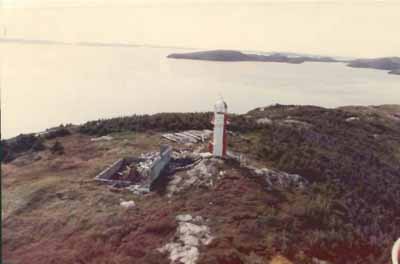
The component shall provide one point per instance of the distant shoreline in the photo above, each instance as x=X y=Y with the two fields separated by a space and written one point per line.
x=87 y=43
x=390 y=64
x=235 y=56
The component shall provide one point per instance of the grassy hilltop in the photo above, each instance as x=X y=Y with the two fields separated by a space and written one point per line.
x=53 y=210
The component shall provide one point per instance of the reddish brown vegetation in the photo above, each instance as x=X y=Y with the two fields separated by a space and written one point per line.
x=55 y=213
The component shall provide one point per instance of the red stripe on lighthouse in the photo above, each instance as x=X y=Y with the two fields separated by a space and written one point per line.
x=225 y=139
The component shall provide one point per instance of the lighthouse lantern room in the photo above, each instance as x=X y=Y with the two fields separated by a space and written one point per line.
x=220 y=121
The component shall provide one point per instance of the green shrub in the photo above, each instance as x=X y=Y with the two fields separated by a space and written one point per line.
x=57 y=148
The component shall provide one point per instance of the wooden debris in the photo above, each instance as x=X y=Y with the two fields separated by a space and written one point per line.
x=189 y=136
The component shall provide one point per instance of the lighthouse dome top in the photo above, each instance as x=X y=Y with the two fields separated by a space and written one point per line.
x=220 y=106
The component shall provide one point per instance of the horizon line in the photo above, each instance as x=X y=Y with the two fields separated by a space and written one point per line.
x=23 y=41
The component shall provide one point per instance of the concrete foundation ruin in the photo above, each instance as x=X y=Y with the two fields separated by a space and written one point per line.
x=143 y=170
x=138 y=174
x=185 y=166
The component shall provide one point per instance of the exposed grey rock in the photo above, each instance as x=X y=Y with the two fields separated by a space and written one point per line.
x=190 y=235
x=352 y=118
x=275 y=178
x=264 y=120
x=103 y=138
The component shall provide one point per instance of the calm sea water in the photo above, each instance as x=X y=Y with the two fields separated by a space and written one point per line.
x=46 y=85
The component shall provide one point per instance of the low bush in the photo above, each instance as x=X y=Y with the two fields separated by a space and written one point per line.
x=164 y=122
x=12 y=148
x=57 y=148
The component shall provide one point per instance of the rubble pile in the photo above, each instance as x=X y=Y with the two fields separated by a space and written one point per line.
x=138 y=174
x=189 y=136
x=183 y=160
x=190 y=235
x=146 y=161
x=180 y=161
x=130 y=171
x=204 y=173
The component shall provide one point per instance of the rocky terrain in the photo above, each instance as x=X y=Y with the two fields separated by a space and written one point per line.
x=313 y=185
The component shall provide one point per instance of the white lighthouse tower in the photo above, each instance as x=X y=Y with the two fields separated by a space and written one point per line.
x=220 y=121
x=396 y=252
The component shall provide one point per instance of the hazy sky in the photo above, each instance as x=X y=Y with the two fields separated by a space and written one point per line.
x=348 y=28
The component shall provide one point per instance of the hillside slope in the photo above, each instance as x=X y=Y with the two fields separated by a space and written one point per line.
x=54 y=212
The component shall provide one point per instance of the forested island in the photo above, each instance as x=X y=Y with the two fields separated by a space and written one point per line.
x=232 y=55
x=391 y=64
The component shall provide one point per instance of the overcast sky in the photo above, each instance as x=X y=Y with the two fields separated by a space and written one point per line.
x=37 y=3
x=359 y=28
